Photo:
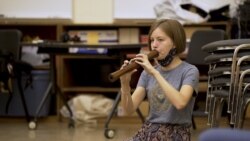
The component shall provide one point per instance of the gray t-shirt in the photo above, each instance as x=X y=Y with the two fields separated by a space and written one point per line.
x=161 y=110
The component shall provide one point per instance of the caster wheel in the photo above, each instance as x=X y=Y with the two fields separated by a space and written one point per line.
x=109 y=133
x=32 y=125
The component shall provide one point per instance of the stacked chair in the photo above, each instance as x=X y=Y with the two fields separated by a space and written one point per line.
x=198 y=39
x=228 y=80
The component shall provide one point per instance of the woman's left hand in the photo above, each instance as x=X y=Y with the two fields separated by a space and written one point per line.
x=142 y=60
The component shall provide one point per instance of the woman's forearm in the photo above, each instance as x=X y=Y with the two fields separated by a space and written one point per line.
x=126 y=100
x=178 y=99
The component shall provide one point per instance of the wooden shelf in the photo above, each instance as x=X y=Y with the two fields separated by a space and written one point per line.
x=83 y=89
x=32 y=21
x=74 y=71
x=93 y=77
x=88 y=56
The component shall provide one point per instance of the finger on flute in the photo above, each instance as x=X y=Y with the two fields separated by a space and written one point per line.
x=115 y=75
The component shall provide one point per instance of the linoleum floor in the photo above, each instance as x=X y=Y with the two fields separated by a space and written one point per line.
x=51 y=129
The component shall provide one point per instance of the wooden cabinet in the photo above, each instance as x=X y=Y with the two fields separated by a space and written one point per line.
x=52 y=29
x=87 y=73
x=47 y=29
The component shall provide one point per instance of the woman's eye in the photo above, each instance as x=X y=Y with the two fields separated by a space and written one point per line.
x=160 y=40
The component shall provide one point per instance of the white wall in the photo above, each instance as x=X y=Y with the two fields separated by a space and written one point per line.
x=80 y=11
x=93 y=11
x=36 y=8
x=135 y=9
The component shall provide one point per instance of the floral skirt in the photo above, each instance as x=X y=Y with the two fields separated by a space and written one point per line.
x=162 y=132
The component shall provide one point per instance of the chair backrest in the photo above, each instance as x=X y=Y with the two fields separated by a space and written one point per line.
x=200 y=38
x=10 y=41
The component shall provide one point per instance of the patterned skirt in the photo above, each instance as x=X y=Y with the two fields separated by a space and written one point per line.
x=162 y=132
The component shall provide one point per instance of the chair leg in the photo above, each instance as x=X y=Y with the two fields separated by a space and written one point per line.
x=241 y=106
x=23 y=99
x=208 y=99
x=41 y=104
x=63 y=98
x=212 y=112
x=116 y=102
x=211 y=104
x=241 y=114
x=193 y=123
x=217 y=111
x=234 y=103
x=9 y=99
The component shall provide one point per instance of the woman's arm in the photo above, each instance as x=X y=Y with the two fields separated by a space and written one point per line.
x=131 y=102
x=178 y=98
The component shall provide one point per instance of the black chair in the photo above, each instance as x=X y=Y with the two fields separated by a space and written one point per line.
x=225 y=84
x=224 y=77
x=12 y=68
x=196 y=56
x=200 y=38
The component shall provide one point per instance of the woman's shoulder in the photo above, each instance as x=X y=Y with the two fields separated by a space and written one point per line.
x=187 y=66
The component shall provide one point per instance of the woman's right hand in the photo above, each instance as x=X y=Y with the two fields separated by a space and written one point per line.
x=126 y=78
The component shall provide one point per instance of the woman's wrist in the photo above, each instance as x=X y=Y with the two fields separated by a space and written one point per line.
x=155 y=73
x=125 y=90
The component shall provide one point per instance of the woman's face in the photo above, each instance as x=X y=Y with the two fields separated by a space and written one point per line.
x=161 y=43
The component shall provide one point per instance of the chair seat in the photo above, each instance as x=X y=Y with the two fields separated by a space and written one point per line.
x=224 y=70
x=232 y=43
x=221 y=93
x=221 y=81
x=213 y=58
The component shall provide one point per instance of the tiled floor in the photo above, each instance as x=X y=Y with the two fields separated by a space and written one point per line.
x=50 y=129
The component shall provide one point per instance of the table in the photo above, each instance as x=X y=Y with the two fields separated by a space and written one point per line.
x=59 y=48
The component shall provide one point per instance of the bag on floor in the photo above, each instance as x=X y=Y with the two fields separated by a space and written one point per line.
x=86 y=108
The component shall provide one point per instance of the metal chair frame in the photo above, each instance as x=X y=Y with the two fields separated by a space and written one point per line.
x=239 y=74
x=243 y=103
x=215 y=96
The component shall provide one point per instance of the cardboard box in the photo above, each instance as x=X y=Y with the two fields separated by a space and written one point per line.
x=128 y=35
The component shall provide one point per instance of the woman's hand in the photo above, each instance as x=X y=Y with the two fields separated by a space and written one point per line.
x=126 y=78
x=142 y=60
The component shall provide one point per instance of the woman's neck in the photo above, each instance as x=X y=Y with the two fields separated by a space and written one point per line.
x=175 y=62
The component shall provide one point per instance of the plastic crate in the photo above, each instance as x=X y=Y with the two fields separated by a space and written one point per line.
x=33 y=96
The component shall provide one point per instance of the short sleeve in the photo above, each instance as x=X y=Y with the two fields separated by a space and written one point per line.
x=192 y=78
x=142 y=79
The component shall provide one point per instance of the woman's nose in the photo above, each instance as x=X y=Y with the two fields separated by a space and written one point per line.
x=154 y=44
